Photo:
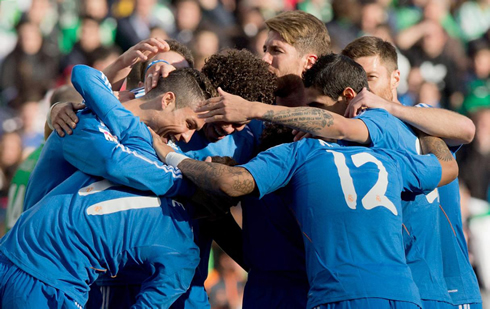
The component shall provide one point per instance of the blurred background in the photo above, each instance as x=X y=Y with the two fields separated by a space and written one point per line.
x=444 y=59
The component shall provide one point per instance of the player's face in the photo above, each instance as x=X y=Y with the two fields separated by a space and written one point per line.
x=178 y=125
x=381 y=81
x=283 y=58
x=314 y=98
x=219 y=130
x=175 y=59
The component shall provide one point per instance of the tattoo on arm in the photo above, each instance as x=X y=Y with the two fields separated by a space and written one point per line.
x=308 y=119
x=436 y=146
x=218 y=178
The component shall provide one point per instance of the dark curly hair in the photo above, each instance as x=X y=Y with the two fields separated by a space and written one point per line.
x=241 y=73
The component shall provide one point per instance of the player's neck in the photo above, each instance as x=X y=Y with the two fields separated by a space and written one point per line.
x=139 y=108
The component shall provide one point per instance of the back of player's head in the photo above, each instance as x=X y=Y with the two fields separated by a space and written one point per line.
x=302 y=30
x=241 y=73
x=189 y=86
x=65 y=93
x=367 y=46
x=331 y=74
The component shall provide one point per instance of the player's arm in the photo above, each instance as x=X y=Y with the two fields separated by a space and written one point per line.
x=437 y=147
x=117 y=71
x=318 y=122
x=454 y=128
x=93 y=150
x=236 y=181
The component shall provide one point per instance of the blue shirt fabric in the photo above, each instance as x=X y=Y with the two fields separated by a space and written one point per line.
x=67 y=240
x=460 y=278
x=349 y=253
x=239 y=146
x=121 y=152
x=421 y=234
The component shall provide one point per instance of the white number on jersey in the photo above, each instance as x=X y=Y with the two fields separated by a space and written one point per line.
x=376 y=196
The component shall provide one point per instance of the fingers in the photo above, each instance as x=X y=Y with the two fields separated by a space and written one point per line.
x=148 y=82
x=78 y=106
x=215 y=118
x=61 y=127
x=208 y=159
x=208 y=104
x=58 y=130
x=300 y=135
x=71 y=117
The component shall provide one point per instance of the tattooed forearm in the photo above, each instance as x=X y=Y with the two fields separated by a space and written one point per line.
x=218 y=178
x=307 y=119
x=436 y=146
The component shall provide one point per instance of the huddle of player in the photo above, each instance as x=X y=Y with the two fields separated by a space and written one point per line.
x=351 y=219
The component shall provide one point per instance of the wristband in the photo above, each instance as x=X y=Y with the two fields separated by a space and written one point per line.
x=174 y=159
x=48 y=116
x=154 y=62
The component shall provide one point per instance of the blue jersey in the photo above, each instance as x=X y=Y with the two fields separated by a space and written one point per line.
x=460 y=278
x=239 y=146
x=67 y=240
x=420 y=231
x=347 y=203
x=120 y=153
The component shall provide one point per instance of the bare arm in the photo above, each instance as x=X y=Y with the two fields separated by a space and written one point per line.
x=218 y=178
x=117 y=71
x=454 y=128
x=318 y=122
x=436 y=146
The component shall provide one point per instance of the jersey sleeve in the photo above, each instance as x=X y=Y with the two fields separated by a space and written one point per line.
x=273 y=169
x=420 y=173
x=95 y=151
x=380 y=127
x=97 y=93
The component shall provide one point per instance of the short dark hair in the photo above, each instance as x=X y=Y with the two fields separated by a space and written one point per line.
x=241 y=73
x=189 y=86
x=367 y=46
x=331 y=74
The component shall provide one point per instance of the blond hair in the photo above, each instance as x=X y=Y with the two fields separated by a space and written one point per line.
x=304 y=31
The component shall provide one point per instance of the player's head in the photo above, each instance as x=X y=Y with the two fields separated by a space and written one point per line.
x=380 y=61
x=174 y=99
x=332 y=81
x=294 y=42
x=241 y=73
x=179 y=55
x=65 y=93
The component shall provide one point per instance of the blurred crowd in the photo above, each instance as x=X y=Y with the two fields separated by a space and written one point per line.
x=444 y=59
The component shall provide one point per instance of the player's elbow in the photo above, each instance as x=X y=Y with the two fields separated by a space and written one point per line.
x=78 y=73
x=450 y=171
x=467 y=130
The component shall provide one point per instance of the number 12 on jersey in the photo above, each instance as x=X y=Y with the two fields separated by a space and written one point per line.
x=375 y=197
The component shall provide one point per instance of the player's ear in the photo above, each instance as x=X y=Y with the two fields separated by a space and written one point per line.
x=395 y=79
x=310 y=61
x=349 y=93
x=168 y=100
